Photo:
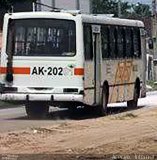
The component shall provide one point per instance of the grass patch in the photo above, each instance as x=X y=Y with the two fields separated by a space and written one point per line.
x=151 y=83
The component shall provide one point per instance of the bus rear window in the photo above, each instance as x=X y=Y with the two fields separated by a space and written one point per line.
x=42 y=37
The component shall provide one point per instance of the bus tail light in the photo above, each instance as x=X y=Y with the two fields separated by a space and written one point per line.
x=79 y=71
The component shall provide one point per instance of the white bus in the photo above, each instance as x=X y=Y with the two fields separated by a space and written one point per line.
x=67 y=60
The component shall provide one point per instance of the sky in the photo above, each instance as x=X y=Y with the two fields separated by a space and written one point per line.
x=141 y=1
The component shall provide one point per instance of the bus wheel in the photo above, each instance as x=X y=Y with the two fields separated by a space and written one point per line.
x=132 y=104
x=37 y=109
x=102 y=109
x=72 y=110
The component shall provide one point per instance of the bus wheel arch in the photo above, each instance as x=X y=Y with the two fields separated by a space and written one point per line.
x=134 y=102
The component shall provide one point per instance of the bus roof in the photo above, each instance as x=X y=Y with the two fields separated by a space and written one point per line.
x=102 y=19
x=86 y=18
x=25 y=15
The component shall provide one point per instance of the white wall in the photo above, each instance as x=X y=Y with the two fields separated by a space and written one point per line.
x=65 y=4
x=46 y=2
x=85 y=6
x=68 y=4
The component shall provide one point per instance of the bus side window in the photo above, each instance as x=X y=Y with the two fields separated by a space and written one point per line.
x=129 y=42
x=105 y=42
x=137 y=43
x=88 y=46
x=116 y=42
x=112 y=41
x=120 y=42
x=124 y=41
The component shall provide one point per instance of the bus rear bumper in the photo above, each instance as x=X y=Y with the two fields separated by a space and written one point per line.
x=41 y=97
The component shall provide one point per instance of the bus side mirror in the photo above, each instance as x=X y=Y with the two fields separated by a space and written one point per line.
x=150 y=44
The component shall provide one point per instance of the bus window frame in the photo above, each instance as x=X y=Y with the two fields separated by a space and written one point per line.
x=124 y=55
x=13 y=21
x=88 y=56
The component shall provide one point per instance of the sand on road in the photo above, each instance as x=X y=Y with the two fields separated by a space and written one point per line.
x=124 y=133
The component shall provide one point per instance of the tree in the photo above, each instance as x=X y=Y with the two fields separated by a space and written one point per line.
x=110 y=7
x=127 y=9
x=140 y=9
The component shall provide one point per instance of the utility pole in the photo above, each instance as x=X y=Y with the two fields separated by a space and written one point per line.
x=78 y=4
x=53 y=3
x=119 y=8
x=34 y=6
x=154 y=7
x=154 y=36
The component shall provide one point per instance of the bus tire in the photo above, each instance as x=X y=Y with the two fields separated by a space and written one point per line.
x=132 y=104
x=37 y=110
x=73 y=110
x=102 y=108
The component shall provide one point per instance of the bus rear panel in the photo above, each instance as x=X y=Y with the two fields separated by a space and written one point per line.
x=39 y=60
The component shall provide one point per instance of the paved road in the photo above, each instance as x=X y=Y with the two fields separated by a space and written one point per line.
x=13 y=117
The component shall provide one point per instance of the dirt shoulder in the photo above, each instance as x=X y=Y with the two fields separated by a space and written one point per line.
x=124 y=133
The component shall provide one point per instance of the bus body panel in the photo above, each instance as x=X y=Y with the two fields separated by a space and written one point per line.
x=121 y=75
x=89 y=83
x=38 y=75
x=31 y=72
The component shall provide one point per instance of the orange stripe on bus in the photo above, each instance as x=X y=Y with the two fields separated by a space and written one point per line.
x=3 y=70
x=16 y=70
x=79 y=71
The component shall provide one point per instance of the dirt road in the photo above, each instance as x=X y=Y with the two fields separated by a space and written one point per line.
x=124 y=133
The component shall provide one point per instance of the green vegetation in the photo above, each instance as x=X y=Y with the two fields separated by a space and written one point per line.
x=109 y=7
x=127 y=9
x=141 y=10
x=152 y=84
